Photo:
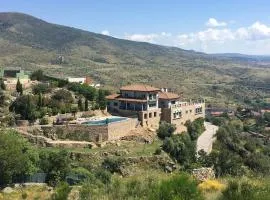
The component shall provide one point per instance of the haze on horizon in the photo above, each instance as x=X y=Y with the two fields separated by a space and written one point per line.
x=209 y=26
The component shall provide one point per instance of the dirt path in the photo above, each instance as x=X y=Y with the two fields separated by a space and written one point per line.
x=206 y=139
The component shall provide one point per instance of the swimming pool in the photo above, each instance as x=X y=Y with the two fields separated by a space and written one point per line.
x=108 y=120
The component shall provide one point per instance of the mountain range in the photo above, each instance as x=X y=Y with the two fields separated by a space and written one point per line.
x=32 y=43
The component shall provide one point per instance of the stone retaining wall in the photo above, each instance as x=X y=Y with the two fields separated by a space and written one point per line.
x=76 y=132
x=79 y=132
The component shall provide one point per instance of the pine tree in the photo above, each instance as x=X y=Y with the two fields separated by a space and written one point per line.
x=2 y=84
x=19 y=87
x=80 y=104
x=40 y=100
x=86 y=105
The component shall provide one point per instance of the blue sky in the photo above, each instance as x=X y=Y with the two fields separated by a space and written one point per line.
x=211 y=26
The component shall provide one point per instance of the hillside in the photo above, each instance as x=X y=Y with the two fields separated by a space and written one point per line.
x=32 y=44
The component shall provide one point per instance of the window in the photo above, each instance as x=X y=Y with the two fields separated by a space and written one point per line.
x=174 y=115
x=186 y=111
x=190 y=111
x=152 y=105
x=145 y=116
x=115 y=104
x=155 y=114
x=172 y=102
x=150 y=115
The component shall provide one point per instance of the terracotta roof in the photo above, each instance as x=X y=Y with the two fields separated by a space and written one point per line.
x=168 y=95
x=112 y=96
x=138 y=87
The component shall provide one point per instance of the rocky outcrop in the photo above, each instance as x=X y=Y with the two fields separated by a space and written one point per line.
x=203 y=174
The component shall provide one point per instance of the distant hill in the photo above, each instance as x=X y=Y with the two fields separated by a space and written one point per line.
x=32 y=43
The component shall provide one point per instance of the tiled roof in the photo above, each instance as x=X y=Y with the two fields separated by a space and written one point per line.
x=138 y=87
x=112 y=96
x=168 y=95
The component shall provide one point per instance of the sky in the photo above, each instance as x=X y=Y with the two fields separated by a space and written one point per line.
x=211 y=26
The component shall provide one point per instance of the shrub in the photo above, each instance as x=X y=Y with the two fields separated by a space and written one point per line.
x=165 y=130
x=245 y=190
x=44 y=121
x=179 y=187
x=104 y=176
x=211 y=185
x=181 y=148
x=113 y=164
x=61 y=191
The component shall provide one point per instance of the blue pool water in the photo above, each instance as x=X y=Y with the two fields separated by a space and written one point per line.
x=104 y=121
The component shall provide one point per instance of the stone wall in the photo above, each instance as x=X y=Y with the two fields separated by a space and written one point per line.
x=77 y=132
x=150 y=118
x=188 y=113
x=112 y=131
x=120 y=129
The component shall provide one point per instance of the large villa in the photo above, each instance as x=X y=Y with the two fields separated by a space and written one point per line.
x=152 y=105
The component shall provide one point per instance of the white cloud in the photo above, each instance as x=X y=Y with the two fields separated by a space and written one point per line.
x=253 y=39
x=212 y=22
x=142 y=37
x=153 y=37
x=256 y=31
x=105 y=32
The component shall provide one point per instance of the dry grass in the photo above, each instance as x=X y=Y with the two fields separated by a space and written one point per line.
x=29 y=193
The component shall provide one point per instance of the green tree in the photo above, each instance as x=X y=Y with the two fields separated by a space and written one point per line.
x=17 y=157
x=25 y=105
x=165 y=130
x=19 y=87
x=181 y=148
x=86 y=105
x=63 y=95
x=41 y=88
x=40 y=100
x=37 y=75
x=101 y=100
x=56 y=165
x=195 y=128
x=2 y=84
x=80 y=104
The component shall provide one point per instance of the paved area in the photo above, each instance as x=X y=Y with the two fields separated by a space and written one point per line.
x=206 y=139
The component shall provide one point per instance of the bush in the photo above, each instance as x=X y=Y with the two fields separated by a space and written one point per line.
x=61 y=191
x=211 y=185
x=44 y=121
x=17 y=158
x=113 y=164
x=245 y=191
x=41 y=89
x=56 y=164
x=165 y=130
x=104 y=176
x=179 y=187
x=181 y=148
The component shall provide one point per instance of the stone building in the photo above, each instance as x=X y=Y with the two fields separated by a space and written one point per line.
x=152 y=105
x=11 y=76
x=140 y=101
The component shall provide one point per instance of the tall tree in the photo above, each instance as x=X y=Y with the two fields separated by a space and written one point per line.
x=86 y=105
x=101 y=100
x=80 y=104
x=2 y=84
x=19 y=87
x=40 y=100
